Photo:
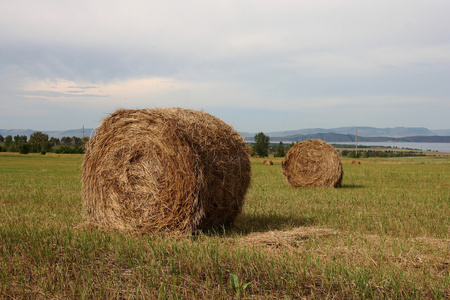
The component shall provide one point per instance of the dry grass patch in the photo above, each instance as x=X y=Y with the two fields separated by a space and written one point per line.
x=371 y=263
x=285 y=238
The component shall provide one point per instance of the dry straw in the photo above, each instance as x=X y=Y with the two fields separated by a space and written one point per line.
x=164 y=170
x=312 y=163
x=267 y=162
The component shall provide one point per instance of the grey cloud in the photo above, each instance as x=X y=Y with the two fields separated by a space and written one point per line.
x=276 y=52
x=95 y=65
x=83 y=87
x=53 y=94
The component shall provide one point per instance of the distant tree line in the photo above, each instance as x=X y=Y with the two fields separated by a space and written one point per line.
x=379 y=153
x=40 y=143
x=263 y=148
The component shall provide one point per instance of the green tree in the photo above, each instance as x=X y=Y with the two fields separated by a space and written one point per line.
x=55 y=141
x=279 y=150
x=70 y=149
x=39 y=142
x=19 y=139
x=76 y=141
x=65 y=140
x=261 y=145
x=8 y=141
x=24 y=148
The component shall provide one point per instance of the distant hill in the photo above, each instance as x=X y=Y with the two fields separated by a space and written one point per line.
x=351 y=138
x=55 y=134
x=363 y=131
x=341 y=134
x=14 y=132
x=365 y=134
x=441 y=132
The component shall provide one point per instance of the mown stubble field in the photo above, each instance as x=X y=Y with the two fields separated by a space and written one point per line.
x=384 y=234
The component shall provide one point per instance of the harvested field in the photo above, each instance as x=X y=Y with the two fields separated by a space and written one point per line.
x=383 y=235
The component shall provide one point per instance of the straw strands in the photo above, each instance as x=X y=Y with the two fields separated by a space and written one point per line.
x=164 y=170
x=313 y=163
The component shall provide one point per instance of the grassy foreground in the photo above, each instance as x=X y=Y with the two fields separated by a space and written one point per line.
x=384 y=234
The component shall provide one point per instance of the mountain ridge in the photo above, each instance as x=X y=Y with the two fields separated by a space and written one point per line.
x=348 y=138
x=340 y=134
x=51 y=133
x=362 y=131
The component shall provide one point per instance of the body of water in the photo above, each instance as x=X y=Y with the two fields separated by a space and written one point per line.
x=441 y=147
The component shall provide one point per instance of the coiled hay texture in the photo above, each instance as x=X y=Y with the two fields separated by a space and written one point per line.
x=267 y=162
x=164 y=170
x=312 y=163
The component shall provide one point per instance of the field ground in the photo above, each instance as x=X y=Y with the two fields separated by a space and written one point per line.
x=384 y=234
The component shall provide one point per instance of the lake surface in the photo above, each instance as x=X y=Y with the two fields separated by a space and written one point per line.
x=441 y=147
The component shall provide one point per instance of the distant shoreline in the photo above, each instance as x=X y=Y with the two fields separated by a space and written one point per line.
x=347 y=138
x=439 y=147
x=410 y=135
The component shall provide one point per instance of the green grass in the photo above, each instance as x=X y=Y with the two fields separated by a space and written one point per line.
x=384 y=234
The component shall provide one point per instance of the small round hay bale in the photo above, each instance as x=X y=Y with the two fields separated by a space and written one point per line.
x=164 y=170
x=312 y=163
x=356 y=162
x=267 y=162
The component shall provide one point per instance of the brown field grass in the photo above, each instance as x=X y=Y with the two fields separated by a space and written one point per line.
x=385 y=234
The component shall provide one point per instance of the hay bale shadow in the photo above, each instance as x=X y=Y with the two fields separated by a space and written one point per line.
x=246 y=224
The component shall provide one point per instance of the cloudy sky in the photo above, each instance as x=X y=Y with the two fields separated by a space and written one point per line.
x=258 y=65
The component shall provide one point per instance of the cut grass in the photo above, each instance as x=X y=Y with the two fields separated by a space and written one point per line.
x=406 y=199
x=385 y=234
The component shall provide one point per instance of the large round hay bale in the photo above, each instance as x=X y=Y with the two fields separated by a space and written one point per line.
x=312 y=163
x=267 y=162
x=164 y=170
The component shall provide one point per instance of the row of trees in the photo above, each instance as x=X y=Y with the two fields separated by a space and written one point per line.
x=263 y=148
x=40 y=143
x=379 y=153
